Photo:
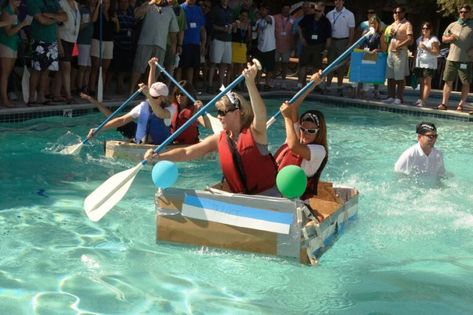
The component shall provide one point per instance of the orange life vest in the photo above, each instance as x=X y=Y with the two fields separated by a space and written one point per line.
x=244 y=168
x=191 y=134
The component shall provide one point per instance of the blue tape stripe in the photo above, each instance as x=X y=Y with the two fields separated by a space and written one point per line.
x=239 y=210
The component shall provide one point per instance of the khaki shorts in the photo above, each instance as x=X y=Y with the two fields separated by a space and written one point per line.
x=397 y=65
x=7 y=52
x=452 y=68
x=338 y=47
x=107 y=49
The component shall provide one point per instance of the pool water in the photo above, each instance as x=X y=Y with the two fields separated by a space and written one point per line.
x=410 y=250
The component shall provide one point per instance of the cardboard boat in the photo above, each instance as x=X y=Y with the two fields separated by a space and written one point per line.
x=254 y=223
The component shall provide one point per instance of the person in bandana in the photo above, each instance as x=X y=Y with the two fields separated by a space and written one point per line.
x=247 y=165
x=422 y=158
x=459 y=35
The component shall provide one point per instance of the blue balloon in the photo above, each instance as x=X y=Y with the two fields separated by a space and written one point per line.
x=164 y=174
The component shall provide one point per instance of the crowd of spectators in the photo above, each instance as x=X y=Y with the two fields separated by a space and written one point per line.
x=68 y=45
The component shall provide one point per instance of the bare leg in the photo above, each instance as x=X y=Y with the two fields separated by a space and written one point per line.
x=43 y=86
x=211 y=75
x=66 y=78
x=302 y=75
x=93 y=74
x=189 y=75
x=464 y=94
x=426 y=87
x=447 y=89
x=34 y=80
x=400 y=89
x=6 y=68
x=391 y=88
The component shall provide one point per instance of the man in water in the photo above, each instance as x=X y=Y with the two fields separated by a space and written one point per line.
x=422 y=158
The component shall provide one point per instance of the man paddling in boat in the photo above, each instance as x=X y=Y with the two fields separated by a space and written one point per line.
x=422 y=158
x=153 y=115
x=246 y=163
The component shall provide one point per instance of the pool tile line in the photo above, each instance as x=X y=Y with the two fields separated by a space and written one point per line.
x=16 y=115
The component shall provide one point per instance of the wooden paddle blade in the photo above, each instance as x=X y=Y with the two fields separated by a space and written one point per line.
x=215 y=124
x=107 y=195
x=72 y=149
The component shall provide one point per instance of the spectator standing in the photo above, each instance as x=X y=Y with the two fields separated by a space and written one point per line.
x=315 y=33
x=9 y=45
x=47 y=14
x=123 y=50
x=153 y=39
x=68 y=32
x=266 y=44
x=284 y=39
x=110 y=26
x=84 y=40
x=194 y=42
x=374 y=44
x=401 y=36
x=174 y=49
x=422 y=158
x=428 y=48
x=343 y=31
x=459 y=63
x=365 y=25
x=221 y=45
x=240 y=40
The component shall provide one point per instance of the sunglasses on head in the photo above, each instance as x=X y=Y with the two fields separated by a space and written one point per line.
x=309 y=130
x=222 y=113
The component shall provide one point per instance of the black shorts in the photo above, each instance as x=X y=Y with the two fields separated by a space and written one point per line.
x=424 y=72
x=267 y=59
x=128 y=130
x=122 y=59
x=67 y=48
x=190 y=57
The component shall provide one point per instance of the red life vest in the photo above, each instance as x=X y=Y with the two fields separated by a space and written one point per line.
x=244 y=168
x=284 y=157
x=191 y=134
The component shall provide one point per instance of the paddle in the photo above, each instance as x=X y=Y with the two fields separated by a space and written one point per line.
x=75 y=148
x=100 y=80
x=325 y=72
x=215 y=124
x=109 y=193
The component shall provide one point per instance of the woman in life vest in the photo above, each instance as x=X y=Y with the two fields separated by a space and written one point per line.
x=246 y=163
x=185 y=110
x=153 y=116
x=306 y=141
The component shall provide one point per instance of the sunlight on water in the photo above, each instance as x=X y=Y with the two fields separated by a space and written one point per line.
x=409 y=251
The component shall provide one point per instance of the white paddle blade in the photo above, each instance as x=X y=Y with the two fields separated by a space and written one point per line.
x=100 y=86
x=25 y=84
x=215 y=124
x=72 y=149
x=107 y=195
x=257 y=63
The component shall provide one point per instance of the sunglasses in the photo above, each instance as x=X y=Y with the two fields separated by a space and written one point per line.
x=309 y=130
x=426 y=28
x=464 y=12
x=180 y=94
x=222 y=113
x=431 y=137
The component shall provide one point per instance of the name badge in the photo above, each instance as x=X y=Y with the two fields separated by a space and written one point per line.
x=463 y=66
x=85 y=18
x=193 y=25
x=314 y=37
x=128 y=33
x=283 y=33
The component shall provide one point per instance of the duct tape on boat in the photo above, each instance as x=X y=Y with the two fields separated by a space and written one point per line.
x=237 y=215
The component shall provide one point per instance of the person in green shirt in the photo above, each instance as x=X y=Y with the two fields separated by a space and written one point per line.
x=9 y=45
x=47 y=14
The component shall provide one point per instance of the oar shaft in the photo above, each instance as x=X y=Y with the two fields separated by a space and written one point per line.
x=170 y=77
x=325 y=72
x=200 y=112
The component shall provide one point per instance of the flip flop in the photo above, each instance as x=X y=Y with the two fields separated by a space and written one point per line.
x=459 y=108
x=442 y=107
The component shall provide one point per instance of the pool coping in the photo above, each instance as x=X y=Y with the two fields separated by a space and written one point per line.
x=16 y=115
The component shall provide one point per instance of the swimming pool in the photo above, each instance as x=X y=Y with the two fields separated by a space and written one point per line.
x=409 y=251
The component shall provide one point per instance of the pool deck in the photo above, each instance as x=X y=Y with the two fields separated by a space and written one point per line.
x=330 y=96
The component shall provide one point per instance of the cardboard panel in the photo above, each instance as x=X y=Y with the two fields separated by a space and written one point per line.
x=204 y=233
